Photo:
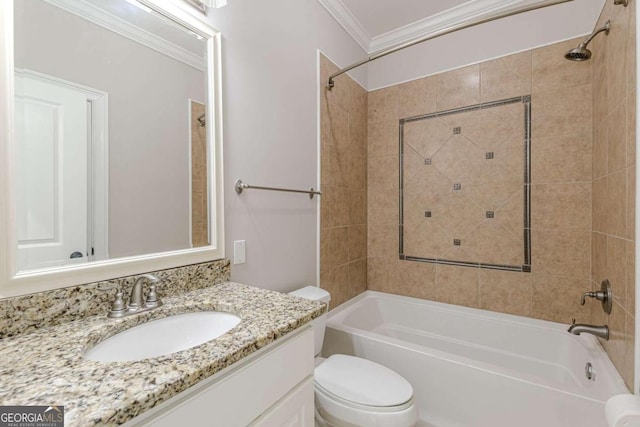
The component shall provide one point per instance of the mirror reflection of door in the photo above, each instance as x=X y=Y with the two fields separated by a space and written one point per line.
x=54 y=164
x=199 y=200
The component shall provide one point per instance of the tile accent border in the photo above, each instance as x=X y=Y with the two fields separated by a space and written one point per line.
x=27 y=313
x=526 y=264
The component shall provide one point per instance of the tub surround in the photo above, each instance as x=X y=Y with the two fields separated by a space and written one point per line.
x=613 y=184
x=343 y=178
x=29 y=312
x=47 y=366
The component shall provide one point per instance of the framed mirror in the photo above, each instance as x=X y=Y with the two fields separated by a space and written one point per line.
x=111 y=149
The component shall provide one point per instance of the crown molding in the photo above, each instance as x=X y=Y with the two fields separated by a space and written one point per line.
x=126 y=29
x=345 y=18
x=468 y=11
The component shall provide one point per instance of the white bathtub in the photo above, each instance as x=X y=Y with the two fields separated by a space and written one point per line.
x=477 y=368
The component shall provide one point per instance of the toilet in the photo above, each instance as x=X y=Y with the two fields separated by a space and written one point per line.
x=352 y=391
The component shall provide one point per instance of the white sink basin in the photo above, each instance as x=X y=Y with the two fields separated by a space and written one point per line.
x=163 y=336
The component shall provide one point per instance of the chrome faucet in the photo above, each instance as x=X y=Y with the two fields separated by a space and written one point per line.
x=599 y=331
x=136 y=302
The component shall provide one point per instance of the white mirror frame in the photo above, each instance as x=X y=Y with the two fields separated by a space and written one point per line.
x=13 y=282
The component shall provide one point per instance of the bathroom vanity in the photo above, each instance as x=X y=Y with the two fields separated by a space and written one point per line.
x=258 y=373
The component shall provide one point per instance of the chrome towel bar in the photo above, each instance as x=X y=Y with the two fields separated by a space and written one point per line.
x=243 y=186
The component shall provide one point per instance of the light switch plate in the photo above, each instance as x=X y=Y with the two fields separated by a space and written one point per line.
x=239 y=252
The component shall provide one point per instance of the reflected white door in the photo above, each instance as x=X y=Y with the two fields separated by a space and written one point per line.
x=51 y=173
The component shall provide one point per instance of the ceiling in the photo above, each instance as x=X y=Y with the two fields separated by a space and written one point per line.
x=378 y=25
x=379 y=17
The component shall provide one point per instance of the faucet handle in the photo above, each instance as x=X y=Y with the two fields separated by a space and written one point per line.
x=588 y=294
x=118 y=306
x=152 y=297
x=604 y=295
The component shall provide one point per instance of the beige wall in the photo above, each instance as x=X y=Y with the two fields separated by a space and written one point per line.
x=614 y=168
x=343 y=179
x=560 y=185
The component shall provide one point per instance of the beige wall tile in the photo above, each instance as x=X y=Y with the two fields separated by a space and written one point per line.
x=383 y=105
x=382 y=241
x=598 y=257
x=599 y=210
x=552 y=71
x=561 y=205
x=616 y=139
x=630 y=298
x=557 y=298
x=505 y=77
x=383 y=138
x=561 y=112
x=357 y=278
x=551 y=155
x=458 y=88
x=382 y=174
x=600 y=149
x=561 y=252
x=629 y=351
x=417 y=97
x=506 y=292
x=327 y=206
x=343 y=127
x=457 y=285
x=327 y=260
x=631 y=128
x=418 y=279
x=341 y=207
x=600 y=87
x=631 y=48
x=383 y=207
x=615 y=346
x=382 y=275
x=617 y=268
x=616 y=204
x=357 y=237
x=616 y=58
x=358 y=205
x=631 y=203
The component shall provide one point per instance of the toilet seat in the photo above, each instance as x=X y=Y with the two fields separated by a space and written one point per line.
x=354 y=391
x=362 y=382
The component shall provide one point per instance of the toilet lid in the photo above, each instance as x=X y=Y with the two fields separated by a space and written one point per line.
x=362 y=381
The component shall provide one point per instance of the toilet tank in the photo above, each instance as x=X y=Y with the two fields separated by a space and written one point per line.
x=316 y=294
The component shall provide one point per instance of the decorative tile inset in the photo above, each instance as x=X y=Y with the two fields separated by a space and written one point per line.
x=497 y=130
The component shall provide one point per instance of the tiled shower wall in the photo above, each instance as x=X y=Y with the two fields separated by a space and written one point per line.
x=614 y=168
x=343 y=179
x=560 y=175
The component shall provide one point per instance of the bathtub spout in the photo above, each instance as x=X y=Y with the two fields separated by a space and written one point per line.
x=599 y=331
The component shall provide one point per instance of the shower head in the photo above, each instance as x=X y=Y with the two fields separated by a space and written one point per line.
x=581 y=53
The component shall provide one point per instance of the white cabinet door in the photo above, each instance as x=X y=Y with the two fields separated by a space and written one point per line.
x=294 y=410
x=240 y=394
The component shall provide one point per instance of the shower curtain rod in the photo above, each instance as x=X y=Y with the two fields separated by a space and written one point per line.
x=442 y=32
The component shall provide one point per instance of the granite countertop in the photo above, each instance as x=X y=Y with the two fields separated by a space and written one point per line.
x=46 y=367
